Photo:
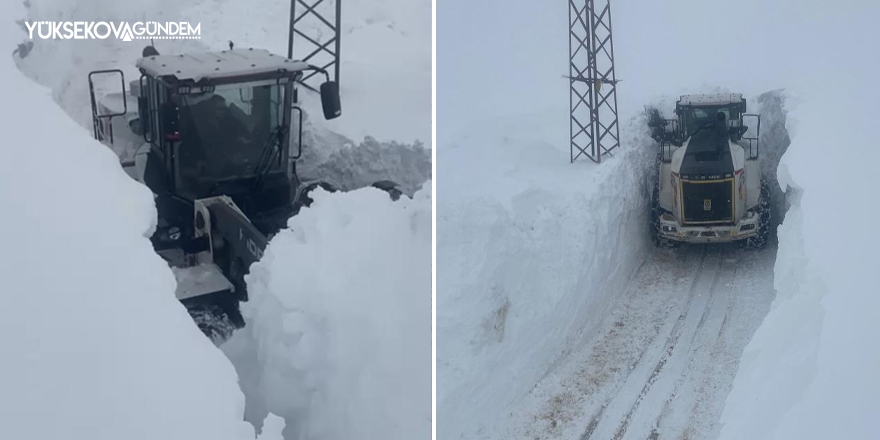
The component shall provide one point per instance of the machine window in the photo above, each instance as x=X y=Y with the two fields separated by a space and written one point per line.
x=224 y=133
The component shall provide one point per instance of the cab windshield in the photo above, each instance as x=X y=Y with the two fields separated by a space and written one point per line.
x=696 y=117
x=227 y=134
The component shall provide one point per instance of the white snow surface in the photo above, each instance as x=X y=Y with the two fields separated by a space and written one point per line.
x=663 y=358
x=810 y=372
x=624 y=351
x=94 y=343
x=339 y=333
x=812 y=358
x=531 y=252
x=357 y=272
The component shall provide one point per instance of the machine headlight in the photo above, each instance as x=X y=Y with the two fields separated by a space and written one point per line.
x=747 y=227
x=669 y=228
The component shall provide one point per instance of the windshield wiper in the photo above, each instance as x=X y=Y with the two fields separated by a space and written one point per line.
x=706 y=125
x=270 y=151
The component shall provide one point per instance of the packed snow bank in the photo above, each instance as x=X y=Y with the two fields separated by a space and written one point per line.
x=351 y=167
x=339 y=333
x=531 y=252
x=94 y=343
x=813 y=359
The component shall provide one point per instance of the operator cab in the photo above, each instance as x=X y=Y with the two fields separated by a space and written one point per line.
x=224 y=136
x=217 y=123
x=696 y=111
x=218 y=134
x=703 y=123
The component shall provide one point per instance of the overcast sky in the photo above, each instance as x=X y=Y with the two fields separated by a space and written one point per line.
x=503 y=57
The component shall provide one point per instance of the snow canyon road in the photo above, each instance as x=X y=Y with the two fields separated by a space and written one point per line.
x=664 y=358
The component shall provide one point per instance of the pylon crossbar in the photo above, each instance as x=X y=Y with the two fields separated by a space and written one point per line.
x=319 y=44
x=310 y=9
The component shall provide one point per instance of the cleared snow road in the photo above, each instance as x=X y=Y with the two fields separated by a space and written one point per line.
x=665 y=357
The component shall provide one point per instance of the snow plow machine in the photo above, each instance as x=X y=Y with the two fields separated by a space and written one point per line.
x=710 y=188
x=210 y=135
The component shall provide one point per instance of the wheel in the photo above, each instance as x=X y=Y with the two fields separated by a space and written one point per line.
x=390 y=187
x=761 y=239
x=654 y=222
x=304 y=199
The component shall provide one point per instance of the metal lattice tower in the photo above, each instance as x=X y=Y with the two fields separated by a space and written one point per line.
x=594 y=127
x=315 y=37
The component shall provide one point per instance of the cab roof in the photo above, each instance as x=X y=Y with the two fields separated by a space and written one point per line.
x=711 y=99
x=221 y=64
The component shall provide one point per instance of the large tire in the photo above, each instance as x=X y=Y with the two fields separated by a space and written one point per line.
x=304 y=199
x=763 y=211
x=654 y=221
x=390 y=187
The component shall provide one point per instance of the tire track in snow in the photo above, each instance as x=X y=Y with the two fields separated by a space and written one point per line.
x=651 y=345
x=700 y=349
x=642 y=370
x=618 y=413
x=698 y=400
x=594 y=392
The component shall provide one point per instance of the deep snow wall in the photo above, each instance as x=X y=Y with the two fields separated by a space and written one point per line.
x=814 y=356
x=531 y=251
x=94 y=343
x=339 y=333
x=774 y=142
x=372 y=315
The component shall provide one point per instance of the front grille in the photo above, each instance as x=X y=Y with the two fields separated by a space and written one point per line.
x=707 y=202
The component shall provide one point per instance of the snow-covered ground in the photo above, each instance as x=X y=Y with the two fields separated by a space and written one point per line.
x=340 y=314
x=557 y=319
x=94 y=343
x=811 y=370
x=340 y=320
x=664 y=357
x=530 y=251
x=808 y=359
x=659 y=361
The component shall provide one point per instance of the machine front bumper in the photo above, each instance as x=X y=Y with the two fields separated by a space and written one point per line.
x=671 y=229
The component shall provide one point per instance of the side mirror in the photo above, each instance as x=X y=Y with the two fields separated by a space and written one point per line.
x=330 y=100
